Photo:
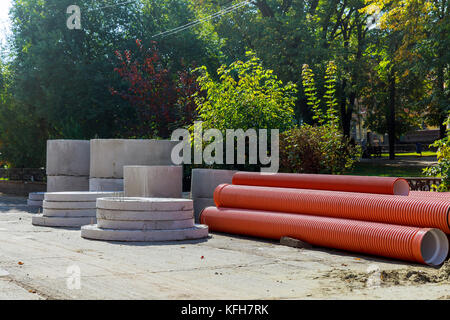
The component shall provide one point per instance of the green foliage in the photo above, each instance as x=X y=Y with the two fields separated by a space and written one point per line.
x=321 y=148
x=314 y=149
x=60 y=78
x=245 y=96
x=442 y=168
x=22 y=133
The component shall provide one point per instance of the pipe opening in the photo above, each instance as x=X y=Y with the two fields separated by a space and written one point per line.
x=434 y=247
x=401 y=187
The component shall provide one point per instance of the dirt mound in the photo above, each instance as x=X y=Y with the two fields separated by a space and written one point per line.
x=376 y=277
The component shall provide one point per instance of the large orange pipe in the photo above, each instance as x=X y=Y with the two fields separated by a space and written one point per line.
x=381 y=185
x=410 y=211
x=430 y=195
x=423 y=245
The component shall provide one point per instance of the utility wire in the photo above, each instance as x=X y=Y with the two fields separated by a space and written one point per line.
x=116 y=5
x=199 y=21
x=190 y=24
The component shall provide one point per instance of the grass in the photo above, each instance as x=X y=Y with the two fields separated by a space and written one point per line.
x=412 y=154
x=373 y=169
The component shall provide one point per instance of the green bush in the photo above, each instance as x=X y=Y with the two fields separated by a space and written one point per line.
x=245 y=96
x=442 y=168
x=316 y=149
x=321 y=148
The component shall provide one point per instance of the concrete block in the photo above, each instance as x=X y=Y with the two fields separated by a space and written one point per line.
x=70 y=213
x=37 y=196
x=83 y=196
x=153 y=181
x=108 y=156
x=68 y=204
x=105 y=184
x=145 y=225
x=205 y=181
x=68 y=157
x=34 y=203
x=144 y=204
x=123 y=215
x=200 y=204
x=96 y=233
x=67 y=183
x=41 y=220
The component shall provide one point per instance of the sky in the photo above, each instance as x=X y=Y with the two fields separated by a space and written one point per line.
x=4 y=19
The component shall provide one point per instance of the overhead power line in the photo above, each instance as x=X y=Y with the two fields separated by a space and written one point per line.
x=199 y=21
x=189 y=25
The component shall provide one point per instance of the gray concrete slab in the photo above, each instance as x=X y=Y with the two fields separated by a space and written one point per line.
x=153 y=235
x=200 y=204
x=220 y=267
x=68 y=158
x=205 y=181
x=67 y=183
x=108 y=156
x=105 y=184
x=153 y=181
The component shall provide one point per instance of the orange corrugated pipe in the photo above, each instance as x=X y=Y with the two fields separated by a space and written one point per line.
x=430 y=195
x=410 y=211
x=423 y=245
x=381 y=185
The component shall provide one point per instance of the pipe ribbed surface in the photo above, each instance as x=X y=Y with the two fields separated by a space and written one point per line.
x=410 y=211
x=423 y=245
x=430 y=195
x=379 y=185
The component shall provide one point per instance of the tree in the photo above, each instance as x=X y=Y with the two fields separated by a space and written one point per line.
x=162 y=98
x=422 y=27
x=246 y=96
x=287 y=34
x=61 y=77
x=321 y=148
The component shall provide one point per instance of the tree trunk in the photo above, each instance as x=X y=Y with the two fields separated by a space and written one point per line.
x=391 y=115
x=443 y=114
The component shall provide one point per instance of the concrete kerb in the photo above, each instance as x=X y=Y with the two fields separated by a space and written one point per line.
x=73 y=222
x=153 y=181
x=69 y=213
x=96 y=233
x=145 y=225
x=145 y=204
x=69 y=204
x=79 y=196
x=123 y=215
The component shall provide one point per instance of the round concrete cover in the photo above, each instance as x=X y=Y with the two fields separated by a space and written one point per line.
x=68 y=204
x=145 y=225
x=41 y=220
x=123 y=215
x=74 y=196
x=145 y=204
x=94 y=232
x=69 y=212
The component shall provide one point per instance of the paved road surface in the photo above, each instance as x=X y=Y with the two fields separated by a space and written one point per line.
x=34 y=264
